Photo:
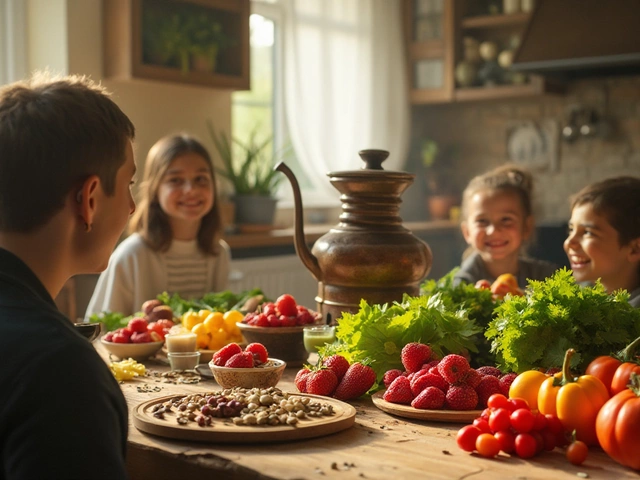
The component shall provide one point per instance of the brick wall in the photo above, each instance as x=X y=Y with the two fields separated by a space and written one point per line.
x=479 y=131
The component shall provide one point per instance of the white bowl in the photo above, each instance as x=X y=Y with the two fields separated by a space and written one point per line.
x=264 y=376
x=137 y=351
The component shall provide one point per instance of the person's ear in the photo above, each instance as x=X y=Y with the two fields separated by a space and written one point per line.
x=634 y=251
x=86 y=198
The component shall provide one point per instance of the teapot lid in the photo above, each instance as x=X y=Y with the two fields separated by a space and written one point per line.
x=373 y=159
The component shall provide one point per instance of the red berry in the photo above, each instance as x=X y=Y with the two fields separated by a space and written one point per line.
x=301 y=380
x=138 y=324
x=259 y=353
x=488 y=386
x=338 y=364
x=486 y=370
x=322 y=382
x=472 y=378
x=225 y=353
x=240 y=360
x=419 y=383
x=431 y=398
x=505 y=382
x=286 y=305
x=399 y=391
x=356 y=382
x=461 y=397
x=140 y=337
x=390 y=376
x=453 y=368
x=414 y=355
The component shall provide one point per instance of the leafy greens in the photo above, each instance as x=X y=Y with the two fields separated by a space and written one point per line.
x=556 y=314
x=378 y=332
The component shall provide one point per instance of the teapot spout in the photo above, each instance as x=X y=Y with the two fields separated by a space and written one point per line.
x=302 y=249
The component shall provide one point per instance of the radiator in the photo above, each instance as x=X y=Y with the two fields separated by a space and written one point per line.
x=274 y=276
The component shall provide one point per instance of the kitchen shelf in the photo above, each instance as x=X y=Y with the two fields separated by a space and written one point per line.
x=495 y=21
x=127 y=31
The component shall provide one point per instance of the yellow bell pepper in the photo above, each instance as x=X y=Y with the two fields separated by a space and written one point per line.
x=575 y=401
x=526 y=386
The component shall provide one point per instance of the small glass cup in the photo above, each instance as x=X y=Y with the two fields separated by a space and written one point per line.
x=181 y=342
x=183 y=360
x=316 y=336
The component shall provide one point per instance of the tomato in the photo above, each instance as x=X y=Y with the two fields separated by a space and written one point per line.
x=621 y=378
x=482 y=425
x=483 y=284
x=497 y=400
x=165 y=323
x=487 y=445
x=614 y=370
x=499 y=420
x=506 y=440
x=138 y=325
x=604 y=367
x=618 y=424
x=466 y=438
x=525 y=445
x=286 y=305
x=577 y=452
x=522 y=420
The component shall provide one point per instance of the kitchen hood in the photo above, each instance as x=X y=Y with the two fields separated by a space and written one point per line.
x=571 y=39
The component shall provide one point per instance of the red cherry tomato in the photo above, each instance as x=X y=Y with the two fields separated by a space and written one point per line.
x=577 y=452
x=525 y=445
x=286 y=305
x=506 y=440
x=497 y=400
x=500 y=420
x=522 y=420
x=466 y=438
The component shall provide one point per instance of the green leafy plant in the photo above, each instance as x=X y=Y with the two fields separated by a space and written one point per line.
x=438 y=168
x=378 y=332
x=248 y=165
x=535 y=330
x=478 y=303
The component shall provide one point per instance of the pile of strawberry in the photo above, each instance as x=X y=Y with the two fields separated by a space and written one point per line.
x=284 y=312
x=232 y=356
x=139 y=330
x=450 y=383
x=510 y=426
x=335 y=377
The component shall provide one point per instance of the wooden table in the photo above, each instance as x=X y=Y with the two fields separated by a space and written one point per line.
x=378 y=446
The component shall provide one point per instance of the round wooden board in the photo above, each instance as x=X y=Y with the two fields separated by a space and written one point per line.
x=224 y=430
x=407 y=411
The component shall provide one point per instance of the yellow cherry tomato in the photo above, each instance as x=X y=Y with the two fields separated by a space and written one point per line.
x=231 y=318
x=214 y=322
x=526 y=386
x=190 y=320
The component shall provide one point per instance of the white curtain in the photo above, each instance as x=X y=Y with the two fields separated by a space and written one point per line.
x=13 y=49
x=345 y=83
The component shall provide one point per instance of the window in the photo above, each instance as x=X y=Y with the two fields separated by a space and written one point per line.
x=261 y=109
x=12 y=41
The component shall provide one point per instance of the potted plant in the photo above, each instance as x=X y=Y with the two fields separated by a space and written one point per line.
x=248 y=166
x=206 y=40
x=441 y=191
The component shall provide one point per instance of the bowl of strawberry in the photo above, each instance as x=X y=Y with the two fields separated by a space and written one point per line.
x=138 y=340
x=251 y=367
x=279 y=327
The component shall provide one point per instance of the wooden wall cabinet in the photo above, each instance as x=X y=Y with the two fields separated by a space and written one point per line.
x=198 y=42
x=455 y=21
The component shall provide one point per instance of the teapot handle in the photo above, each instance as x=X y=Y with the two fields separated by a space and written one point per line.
x=373 y=158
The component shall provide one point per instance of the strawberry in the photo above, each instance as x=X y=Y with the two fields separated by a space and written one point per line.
x=390 y=376
x=505 y=382
x=430 y=398
x=356 y=382
x=414 y=355
x=301 y=380
x=418 y=384
x=338 y=364
x=322 y=382
x=453 y=368
x=225 y=353
x=493 y=371
x=259 y=352
x=399 y=391
x=461 y=397
x=240 y=360
x=472 y=377
x=487 y=387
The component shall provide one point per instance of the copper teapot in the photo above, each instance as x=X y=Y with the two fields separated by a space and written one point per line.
x=369 y=255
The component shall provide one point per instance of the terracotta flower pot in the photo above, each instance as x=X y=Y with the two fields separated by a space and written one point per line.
x=439 y=206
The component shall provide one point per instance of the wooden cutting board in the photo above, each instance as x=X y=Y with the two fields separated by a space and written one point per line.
x=224 y=430
x=407 y=411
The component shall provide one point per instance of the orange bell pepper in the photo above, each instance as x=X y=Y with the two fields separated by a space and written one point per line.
x=575 y=401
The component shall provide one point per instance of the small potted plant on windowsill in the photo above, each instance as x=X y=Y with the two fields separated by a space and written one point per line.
x=248 y=166
x=441 y=191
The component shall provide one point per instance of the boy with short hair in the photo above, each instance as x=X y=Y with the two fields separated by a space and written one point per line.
x=66 y=165
x=604 y=235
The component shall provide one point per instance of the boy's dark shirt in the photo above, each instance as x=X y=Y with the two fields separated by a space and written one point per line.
x=62 y=413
